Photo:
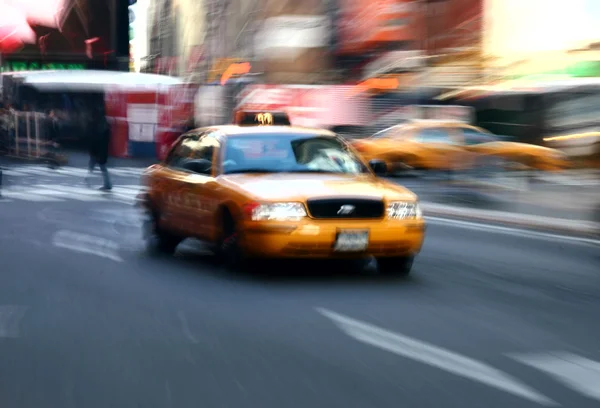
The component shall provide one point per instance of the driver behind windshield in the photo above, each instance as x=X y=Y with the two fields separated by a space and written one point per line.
x=288 y=153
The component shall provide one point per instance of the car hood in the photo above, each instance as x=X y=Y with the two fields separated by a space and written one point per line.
x=525 y=148
x=300 y=187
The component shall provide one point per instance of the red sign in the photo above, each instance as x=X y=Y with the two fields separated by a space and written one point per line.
x=310 y=106
x=115 y=103
x=195 y=58
x=176 y=108
x=365 y=24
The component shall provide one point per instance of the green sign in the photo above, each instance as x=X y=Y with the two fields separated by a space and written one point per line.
x=582 y=69
x=16 y=66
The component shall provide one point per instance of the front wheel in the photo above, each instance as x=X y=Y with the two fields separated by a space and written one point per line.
x=228 y=250
x=159 y=241
x=396 y=266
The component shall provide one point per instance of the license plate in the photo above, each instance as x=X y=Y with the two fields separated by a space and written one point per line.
x=351 y=241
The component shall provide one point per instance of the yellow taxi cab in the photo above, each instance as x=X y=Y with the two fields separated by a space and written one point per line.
x=259 y=192
x=449 y=145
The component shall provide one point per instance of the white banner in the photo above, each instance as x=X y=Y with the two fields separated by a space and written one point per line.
x=143 y=122
x=293 y=32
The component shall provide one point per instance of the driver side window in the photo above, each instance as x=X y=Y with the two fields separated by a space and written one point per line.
x=193 y=153
x=179 y=152
x=473 y=137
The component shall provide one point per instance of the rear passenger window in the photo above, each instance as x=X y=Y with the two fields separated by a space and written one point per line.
x=434 y=135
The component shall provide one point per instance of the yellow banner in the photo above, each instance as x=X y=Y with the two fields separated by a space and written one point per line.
x=219 y=67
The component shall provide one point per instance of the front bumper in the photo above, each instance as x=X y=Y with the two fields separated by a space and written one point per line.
x=315 y=240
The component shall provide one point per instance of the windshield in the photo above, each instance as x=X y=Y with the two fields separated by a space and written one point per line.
x=387 y=133
x=287 y=153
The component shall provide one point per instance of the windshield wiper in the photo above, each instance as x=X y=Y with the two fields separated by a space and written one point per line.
x=311 y=171
x=253 y=170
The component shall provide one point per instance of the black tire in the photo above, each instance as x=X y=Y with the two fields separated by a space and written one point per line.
x=228 y=250
x=396 y=266
x=489 y=167
x=158 y=241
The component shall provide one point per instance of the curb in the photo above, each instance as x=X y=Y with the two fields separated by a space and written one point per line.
x=82 y=162
x=582 y=229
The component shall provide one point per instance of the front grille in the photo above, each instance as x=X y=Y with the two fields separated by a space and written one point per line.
x=332 y=208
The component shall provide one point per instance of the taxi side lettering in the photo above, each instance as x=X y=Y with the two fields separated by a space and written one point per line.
x=189 y=201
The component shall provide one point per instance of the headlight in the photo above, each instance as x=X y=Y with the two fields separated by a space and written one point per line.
x=276 y=212
x=402 y=210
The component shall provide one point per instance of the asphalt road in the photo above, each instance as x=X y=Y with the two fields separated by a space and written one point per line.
x=490 y=319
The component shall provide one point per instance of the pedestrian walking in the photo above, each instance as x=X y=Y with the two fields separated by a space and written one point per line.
x=52 y=140
x=5 y=129
x=190 y=125
x=99 y=141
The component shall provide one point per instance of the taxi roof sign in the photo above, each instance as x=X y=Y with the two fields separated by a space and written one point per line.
x=260 y=118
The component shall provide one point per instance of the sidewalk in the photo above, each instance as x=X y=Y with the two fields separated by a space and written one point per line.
x=544 y=206
x=583 y=229
x=80 y=159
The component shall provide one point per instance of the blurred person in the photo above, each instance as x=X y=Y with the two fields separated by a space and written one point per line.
x=53 y=138
x=99 y=141
x=4 y=129
x=190 y=124
x=4 y=138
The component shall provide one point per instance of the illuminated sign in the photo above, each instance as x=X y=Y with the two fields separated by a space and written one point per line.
x=11 y=66
x=219 y=67
x=45 y=28
x=264 y=119
x=235 y=69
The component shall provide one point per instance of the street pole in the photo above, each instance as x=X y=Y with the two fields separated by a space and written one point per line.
x=1 y=77
x=2 y=100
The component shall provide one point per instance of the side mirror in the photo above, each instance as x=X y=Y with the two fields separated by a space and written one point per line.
x=200 y=166
x=378 y=166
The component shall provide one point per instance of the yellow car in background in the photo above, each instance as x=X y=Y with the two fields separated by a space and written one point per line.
x=261 y=192
x=451 y=146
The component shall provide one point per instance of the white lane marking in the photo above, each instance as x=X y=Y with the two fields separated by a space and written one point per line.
x=34 y=171
x=434 y=356
x=74 y=190
x=186 y=327
x=576 y=372
x=127 y=192
x=12 y=173
x=10 y=320
x=24 y=171
x=87 y=244
x=127 y=171
x=68 y=171
x=67 y=193
x=57 y=192
x=29 y=196
x=479 y=226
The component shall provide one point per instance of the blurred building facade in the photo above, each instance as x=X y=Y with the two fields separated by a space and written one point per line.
x=315 y=41
x=542 y=40
x=453 y=33
x=82 y=34
x=163 y=56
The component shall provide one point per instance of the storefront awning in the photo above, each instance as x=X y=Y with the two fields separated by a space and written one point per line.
x=92 y=81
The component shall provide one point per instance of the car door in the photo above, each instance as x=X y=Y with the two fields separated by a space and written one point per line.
x=377 y=146
x=437 y=148
x=200 y=188
x=476 y=143
x=175 y=200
